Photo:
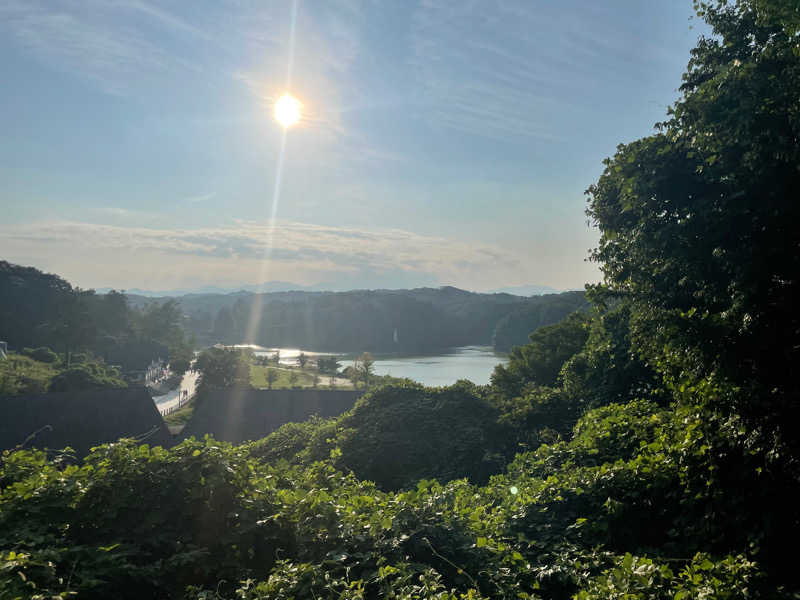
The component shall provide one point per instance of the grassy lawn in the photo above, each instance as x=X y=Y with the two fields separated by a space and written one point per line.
x=258 y=378
x=181 y=416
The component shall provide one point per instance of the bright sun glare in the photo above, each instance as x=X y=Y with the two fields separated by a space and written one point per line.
x=287 y=110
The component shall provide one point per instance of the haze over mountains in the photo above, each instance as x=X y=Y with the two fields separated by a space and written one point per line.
x=287 y=286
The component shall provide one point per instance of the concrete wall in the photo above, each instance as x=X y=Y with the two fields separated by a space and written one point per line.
x=80 y=419
x=240 y=415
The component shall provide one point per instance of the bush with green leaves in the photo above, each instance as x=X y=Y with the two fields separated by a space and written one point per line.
x=42 y=354
x=20 y=374
x=639 y=578
x=207 y=517
x=87 y=376
x=399 y=434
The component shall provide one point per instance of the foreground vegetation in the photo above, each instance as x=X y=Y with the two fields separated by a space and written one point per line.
x=648 y=449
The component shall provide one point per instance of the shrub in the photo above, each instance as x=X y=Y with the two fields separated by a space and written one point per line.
x=399 y=434
x=87 y=376
x=42 y=354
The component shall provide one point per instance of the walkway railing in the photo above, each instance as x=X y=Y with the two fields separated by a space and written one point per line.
x=182 y=401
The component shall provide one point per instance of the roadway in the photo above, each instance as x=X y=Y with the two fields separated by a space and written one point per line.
x=172 y=398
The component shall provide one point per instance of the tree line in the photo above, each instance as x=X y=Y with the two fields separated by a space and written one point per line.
x=40 y=310
x=419 y=320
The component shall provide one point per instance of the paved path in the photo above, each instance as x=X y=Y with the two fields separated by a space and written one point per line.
x=172 y=399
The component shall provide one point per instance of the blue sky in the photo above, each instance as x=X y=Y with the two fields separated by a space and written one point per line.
x=442 y=142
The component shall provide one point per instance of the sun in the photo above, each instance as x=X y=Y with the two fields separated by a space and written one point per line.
x=287 y=110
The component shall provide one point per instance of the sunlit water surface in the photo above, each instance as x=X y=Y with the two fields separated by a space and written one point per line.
x=474 y=363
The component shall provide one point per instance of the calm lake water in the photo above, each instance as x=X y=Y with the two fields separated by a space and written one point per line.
x=475 y=363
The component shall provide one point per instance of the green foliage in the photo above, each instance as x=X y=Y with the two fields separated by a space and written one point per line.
x=291 y=441
x=540 y=361
x=278 y=377
x=619 y=431
x=180 y=416
x=37 y=309
x=697 y=221
x=608 y=369
x=328 y=365
x=362 y=370
x=220 y=369
x=23 y=375
x=205 y=517
x=542 y=415
x=634 y=578
x=399 y=434
x=698 y=239
x=43 y=354
x=87 y=376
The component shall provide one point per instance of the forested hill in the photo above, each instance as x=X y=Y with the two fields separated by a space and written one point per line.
x=42 y=310
x=424 y=318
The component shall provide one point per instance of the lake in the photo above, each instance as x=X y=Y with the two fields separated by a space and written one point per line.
x=475 y=363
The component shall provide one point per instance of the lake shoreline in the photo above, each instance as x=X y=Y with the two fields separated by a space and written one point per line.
x=443 y=367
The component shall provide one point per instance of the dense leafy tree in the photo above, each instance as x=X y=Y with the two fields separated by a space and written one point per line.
x=72 y=328
x=28 y=298
x=699 y=239
x=272 y=377
x=111 y=313
x=364 y=368
x=39 y=309
x=540 y=361
x=222 y=369
x=698 y=221
x=328 y=365
x=608 y=369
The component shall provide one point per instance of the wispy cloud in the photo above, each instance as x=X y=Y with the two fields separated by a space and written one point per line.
x=499 y=69
x=200 y=198
x=476 y=76
x=79 y=38
x=306 y=250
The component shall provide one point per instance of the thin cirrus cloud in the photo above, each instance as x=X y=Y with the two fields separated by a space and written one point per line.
x=501 y=69
x=87 y=38
x=302 y=250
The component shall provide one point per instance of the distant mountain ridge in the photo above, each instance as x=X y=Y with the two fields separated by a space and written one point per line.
x=271 y=286
x=426 y=319
x=527 y=290
x=287 y=286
